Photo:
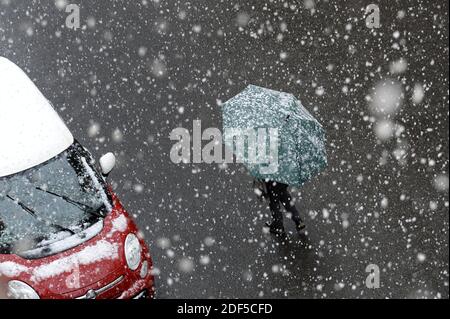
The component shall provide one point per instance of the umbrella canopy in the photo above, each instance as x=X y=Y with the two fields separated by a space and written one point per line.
x=288 y=141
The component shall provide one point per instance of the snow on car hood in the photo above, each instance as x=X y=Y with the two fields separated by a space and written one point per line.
x=31 y=132
x=101 y=250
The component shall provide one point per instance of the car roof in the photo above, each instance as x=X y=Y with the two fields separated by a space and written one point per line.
x=31 y=132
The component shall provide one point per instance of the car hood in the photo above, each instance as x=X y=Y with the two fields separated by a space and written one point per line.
x=31 y=131
x=86 y=266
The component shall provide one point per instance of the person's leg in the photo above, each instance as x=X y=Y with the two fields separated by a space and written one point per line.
x=286 y=200
x=274 y=204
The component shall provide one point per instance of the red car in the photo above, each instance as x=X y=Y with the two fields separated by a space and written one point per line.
x=63 y=232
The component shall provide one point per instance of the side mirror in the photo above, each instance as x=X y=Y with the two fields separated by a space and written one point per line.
x=107 y=163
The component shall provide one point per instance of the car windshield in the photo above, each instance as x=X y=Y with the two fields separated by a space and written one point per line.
x=53 y=201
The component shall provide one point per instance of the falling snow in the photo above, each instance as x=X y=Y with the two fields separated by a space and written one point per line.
x=136 y=70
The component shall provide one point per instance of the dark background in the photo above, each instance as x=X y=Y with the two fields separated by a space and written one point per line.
x=146 y=67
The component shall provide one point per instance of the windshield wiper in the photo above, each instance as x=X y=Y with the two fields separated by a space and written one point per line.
x=84 y=207
x=23 y=206
x=33 y=213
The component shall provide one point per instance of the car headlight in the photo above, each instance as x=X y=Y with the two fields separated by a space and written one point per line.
x=20 y=290
x=133 y=251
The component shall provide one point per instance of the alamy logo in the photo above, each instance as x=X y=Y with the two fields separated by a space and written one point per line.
x=73 y=19
x=373 y=279
x=372 y=16
x=257 y=147
x=73 y=280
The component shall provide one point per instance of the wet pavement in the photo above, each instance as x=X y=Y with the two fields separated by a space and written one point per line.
x=135 y=72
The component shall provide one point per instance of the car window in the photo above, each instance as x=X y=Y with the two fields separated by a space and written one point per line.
x=48 y=203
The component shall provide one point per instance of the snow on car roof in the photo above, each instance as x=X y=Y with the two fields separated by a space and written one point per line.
x=31 y=132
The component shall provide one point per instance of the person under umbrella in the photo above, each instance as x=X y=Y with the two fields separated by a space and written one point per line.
x=282 y=145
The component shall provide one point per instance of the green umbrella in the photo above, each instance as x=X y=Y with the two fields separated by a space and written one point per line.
x=274 y=136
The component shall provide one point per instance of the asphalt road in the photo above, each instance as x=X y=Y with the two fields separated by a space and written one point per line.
x=138 y=69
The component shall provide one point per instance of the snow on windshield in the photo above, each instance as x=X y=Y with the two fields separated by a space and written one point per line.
x=46 y=204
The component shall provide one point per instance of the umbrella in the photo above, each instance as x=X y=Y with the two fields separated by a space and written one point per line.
x=274 y=136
